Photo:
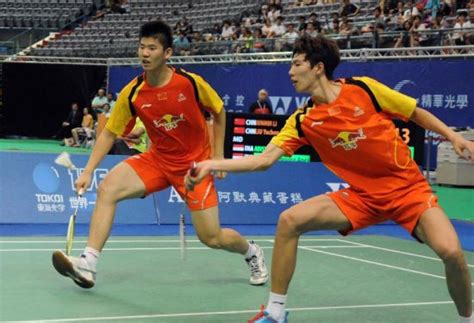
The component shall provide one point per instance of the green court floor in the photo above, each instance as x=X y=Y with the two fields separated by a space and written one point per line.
x=143 y=279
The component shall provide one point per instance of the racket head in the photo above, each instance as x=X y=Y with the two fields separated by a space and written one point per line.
x=70 y=233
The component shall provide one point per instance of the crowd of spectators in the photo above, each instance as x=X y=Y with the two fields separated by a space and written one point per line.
x=390 y=23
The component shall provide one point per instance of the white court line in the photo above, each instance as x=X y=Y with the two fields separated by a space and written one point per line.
x=140 y=241
x=167 y=248
x=373 y=262
x=300 y=309
x=395 y=251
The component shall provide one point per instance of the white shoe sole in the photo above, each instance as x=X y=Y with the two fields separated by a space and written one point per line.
x=258 y=282
x=65 y=267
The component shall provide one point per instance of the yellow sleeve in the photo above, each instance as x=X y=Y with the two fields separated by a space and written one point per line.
x=288 y=139
x=207 y=96
x=121 y=114
x=389 y=100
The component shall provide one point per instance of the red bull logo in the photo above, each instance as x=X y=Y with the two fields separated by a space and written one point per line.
x=168 y=121
x=347 y=139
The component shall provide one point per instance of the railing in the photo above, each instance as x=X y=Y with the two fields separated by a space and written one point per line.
x=363 y=54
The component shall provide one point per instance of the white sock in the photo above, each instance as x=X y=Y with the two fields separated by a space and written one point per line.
x=252 y=251
x=92 y=256
x=276 y=306
x=469 y=319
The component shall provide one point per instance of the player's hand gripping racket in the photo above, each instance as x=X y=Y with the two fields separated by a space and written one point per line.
x=182 y=222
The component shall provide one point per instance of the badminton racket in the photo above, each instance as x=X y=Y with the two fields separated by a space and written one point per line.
x=182 y=221
x=71 y=225
x=64 y=159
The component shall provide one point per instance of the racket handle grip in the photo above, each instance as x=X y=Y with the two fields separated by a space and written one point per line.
x=193 y=168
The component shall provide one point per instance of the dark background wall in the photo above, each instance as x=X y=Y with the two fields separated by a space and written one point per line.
x=37 y=97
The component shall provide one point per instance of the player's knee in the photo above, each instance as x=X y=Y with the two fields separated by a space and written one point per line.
x=212 y=242
x=288 y=222
x=106 y=190
x=452 y=255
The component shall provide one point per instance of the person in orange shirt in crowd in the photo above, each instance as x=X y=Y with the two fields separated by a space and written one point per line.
x=348 y=122
x=86 y=128
x=171 y=103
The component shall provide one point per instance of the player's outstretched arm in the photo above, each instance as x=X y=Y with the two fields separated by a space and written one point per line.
x=101 y=148
x=464 y=148
x=270 y=155
x=219 y=136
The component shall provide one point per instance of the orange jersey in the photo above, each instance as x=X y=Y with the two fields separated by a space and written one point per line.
x=173 y=115
x=356 y=139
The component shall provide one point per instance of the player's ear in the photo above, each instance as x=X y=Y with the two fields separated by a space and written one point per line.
x=168 y=52
x=319 y=69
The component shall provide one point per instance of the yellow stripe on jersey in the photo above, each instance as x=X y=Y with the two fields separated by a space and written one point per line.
x=389 y=100
x=207 y=96
x=122 y=114
x=288 y=138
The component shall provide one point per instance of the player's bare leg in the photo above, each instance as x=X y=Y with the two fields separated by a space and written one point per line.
x=435 y=229
x=317 y=213
x=207 y=225
x=121 y=183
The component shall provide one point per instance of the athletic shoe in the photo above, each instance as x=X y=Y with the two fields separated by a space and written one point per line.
x=262 y=317
x=75 y=268
x=258 y=270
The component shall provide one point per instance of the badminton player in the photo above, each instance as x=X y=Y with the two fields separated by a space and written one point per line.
x=171 y=103
x=348 y=122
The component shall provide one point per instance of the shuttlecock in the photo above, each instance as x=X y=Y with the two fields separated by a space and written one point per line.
x=64 y=159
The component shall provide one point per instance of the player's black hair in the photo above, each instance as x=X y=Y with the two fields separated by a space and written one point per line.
x=159 y=30
x=319 y=50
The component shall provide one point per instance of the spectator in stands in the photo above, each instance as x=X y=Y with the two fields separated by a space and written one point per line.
x=262 y=13
x=418 y=36
x=134 y=143
x=349 y=9
x=348 y=29
x=107 y=110
x=333 y=24
x=377 y=19
x=435 y=38
x=72 y=121
x=460 y=35
x=216 y=30
x=98 y=102
x=410 y=10
x=184 y=27
x=110 y=100
x=246 y=41
x=289 y=37
x=181 y=45
x=267 y=29
x=404 y=39
x=227 y=30
x=258 y=43
x=278 y=28
x=441 y=21
x=86 y=128
x=301 y=24
x=313 y=18
x=274 y=13
x=310 y=30
x=262 y=105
